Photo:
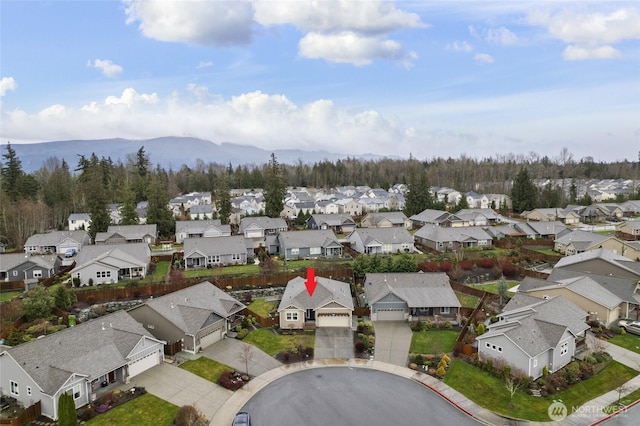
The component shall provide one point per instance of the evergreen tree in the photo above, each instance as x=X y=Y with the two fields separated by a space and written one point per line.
x=11 y=173
x=418 y=196
x=274 y=190
x=462 y=204
x=67 y=410
x=573 y=193
x=524 y=193
x=158 y=211
x=141 y=177
x=223 y=199
x=128 y=210
x=96 y=198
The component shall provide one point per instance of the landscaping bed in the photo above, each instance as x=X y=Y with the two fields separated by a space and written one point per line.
x=147 y=410
x=364 y=339
x=109 y=401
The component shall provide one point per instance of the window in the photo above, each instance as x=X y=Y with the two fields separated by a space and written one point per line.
x=499 y=348
x=29 y=390
x=13 y=387
x=37 y=273
x=564 y=348
x=292 y=316
x=75 y=391
x=295 y=251
x=535 y=362
x=103 y=274
x=235 y=256
x=15 y=273
x=444 y=310
x=315 y=251
x=488 y=345
x=214 y=259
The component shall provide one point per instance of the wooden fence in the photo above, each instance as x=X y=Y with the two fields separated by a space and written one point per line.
x=26 y=417
x=278 y=279
x=11 y=285
x=173 y=348
x=263 y=321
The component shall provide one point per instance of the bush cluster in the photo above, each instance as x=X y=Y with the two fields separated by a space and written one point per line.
x=230 y=380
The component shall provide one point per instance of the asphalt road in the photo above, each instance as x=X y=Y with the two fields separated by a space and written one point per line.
x=343 y=396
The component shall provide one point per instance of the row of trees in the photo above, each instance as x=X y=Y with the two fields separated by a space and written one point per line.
x=44 y=199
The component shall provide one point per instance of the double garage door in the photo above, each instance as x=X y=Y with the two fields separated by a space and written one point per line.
x=390 y=315
x=211 y=338
x=145 y=363
x=334 y=321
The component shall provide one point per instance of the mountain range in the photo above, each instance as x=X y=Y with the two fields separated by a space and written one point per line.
x=168 y=152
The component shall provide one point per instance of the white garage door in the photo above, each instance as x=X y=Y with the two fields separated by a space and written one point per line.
x=334 y=321
x=392 y=315
x=210 y=338
x=144 y=364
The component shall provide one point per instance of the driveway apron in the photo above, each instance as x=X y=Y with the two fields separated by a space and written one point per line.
x=228 y=351
x=180 y=387
x=393 y=339
x=333 y=342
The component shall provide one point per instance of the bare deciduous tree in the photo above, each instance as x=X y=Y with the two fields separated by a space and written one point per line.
x=246 y=355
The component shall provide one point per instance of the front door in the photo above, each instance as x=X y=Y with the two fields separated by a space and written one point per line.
x=112 y=376
x=310 y=315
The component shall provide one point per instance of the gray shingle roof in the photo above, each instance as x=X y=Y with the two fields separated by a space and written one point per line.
x=395 y=235
x=215 y=246
x=623 y=288
x=327 y=291
x=418 y=289
x=54 y=238
x=191 y=308
x=133 y=232
x=581 y=285
x=397 y=218
x=308 y=238
x=333 y=219
x=602 y=254
x=430 y=216
x=440 y=234
x=122 y=254
x=93 y=348
x=263 y=222
x=536 y=325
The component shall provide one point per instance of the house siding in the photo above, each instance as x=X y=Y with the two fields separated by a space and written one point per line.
x=157 y=325
x=511 y=353
x=607 y=316
x=11 y=371
x=289 y=324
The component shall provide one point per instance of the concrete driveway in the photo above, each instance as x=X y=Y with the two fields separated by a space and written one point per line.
x=333 y=342
x=393 y=339
x=180 y=387
x=227 y=351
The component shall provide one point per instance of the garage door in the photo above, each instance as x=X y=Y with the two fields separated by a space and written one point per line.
x=334 y=321
x=211 y=338
x=144 y=364
x=391 y=315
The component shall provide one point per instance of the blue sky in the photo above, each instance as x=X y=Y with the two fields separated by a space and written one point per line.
x=421 y=78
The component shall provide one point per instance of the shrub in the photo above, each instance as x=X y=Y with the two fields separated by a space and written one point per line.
x=489 y=365
x=508 y=270
x=446 y=358
x=431 y=267
x=418 y=326
x=485 y=263
x=229 y=381
x=441 y=371
x=445 y=266
x=442 y=364
x=506 y=371
x=545 y=371
x=242 y=334
x=188 y=415
x=467 y=265
x=418 y=359
x=359 y=347
x=480 y=329
x=572 y=372
x=360 y=328
x=587 y=370
x=67 y=410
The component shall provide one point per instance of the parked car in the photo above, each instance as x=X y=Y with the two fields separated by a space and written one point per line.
x=242 y=419
x=630 y=327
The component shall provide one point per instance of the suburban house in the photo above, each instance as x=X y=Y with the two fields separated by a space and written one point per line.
x=568 y=217
x=601 y=262
x=381 y=241
x=411 y=296
x=543 y=230
x=586 y=293
x=349 y=206
x=577 y=242
x=78 y=221
x=309 y=244
x=21 y=267
x=203 y=212
x=257 y=228
x=340 y=223
x=449 y=239
x=327 y=207
x=533 y=333
x=120 y=234
x=109 y=264
x=329 y=305
x=500 y=201
x=477 y=201
x=201 y=229
x=596 y=213
x=196 y=316
x=210 y=252
x=57 y=242
x=445 y=195
x=429 y=216
x=479 y=217
x=386 y=220
x=78 y=360
x=629 y=229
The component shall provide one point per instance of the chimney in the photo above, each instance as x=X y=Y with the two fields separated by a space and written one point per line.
x=311 y=275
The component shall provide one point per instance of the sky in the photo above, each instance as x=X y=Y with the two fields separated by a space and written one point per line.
x=406 y=78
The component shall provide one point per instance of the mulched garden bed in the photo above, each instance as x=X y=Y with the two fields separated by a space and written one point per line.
x=108 y=401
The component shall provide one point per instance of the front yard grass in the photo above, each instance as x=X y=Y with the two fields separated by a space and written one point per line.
x=492 y=287
x=433 y=341
x=272 y=344
x=491 y=393
x=206 y=368
x=144 y=410
x=627 y=341
x=8 y=295
x=262 y=307
x=625 y=400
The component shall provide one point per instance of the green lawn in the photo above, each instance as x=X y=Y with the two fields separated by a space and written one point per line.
x=206 y=368
x=625 y=400
x=160 y=273
x=143 y=410
x=273 y=344
x=627 y=341
x=491 y=393
x=433 y=341
x=262 y=307
x=466 y=300
x=492 y=287
x=8 y=295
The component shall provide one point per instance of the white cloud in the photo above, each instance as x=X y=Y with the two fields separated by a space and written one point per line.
x=204 y=64
x=483 y=58
x=108 y=68
x=352 y=48
x=577 y=53
x=501 y=35
x=6 y=84
x=590 y=35
x=459 y=46
x=221 y=23
x=226 y=23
